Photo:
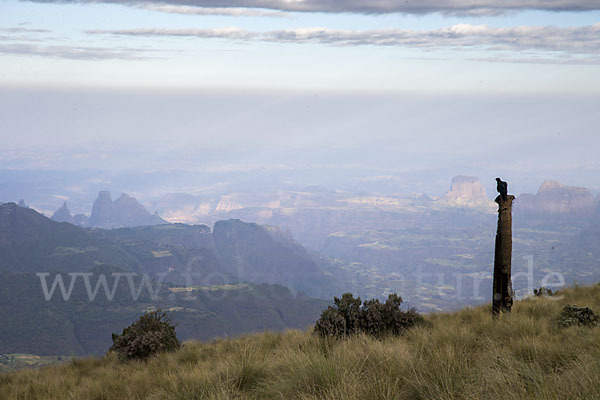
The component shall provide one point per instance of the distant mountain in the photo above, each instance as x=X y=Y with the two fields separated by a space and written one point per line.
x=124 y=211
x=30 y=242
x=63 y=214
x=201 y=283
x=281 y=206
x=236 y=251
x=466 y=190
x=555 y=200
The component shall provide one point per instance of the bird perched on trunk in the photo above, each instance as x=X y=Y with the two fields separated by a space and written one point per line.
x=502 y=188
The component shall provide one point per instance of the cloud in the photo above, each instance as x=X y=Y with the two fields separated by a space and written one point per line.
x=19 y=33
x=26 y=41
x=73 y=53
x=575 y=40
x=452 y=7
x=592 y=60
x=225 y=11
x=23 y=30
x=222 y=33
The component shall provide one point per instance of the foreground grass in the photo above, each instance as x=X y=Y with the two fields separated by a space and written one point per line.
x=463 y=355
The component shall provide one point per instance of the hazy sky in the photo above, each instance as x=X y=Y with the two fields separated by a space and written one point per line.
x=464 y=87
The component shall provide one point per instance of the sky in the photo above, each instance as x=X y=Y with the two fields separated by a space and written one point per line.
x=456 y=86
x=434 y=45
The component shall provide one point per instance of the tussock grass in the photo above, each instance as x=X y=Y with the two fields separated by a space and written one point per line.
x=461 y=355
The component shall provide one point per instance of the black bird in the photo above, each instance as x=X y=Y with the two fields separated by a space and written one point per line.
x=502 y=188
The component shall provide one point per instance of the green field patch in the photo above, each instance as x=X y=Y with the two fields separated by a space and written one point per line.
x=234 y=286
x=69 y=251
x=378 y=246
x=161 y=253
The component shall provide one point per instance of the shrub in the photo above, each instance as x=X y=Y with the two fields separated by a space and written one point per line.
x=542 y=291
x=573 y=315
x=348 y=317
x=331 y=323
x=152 y=333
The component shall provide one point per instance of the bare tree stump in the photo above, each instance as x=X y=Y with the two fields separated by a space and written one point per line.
x=502 y=291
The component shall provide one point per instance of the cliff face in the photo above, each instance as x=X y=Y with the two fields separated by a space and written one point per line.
x=466 y=190
x=264 y=254
x=556 y=199
x=103 y=212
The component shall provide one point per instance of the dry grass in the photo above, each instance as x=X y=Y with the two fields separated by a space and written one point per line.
x=463 y=355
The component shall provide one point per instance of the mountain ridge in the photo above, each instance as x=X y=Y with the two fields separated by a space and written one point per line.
x=189 y=273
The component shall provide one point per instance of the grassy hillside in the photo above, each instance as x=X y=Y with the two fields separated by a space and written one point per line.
x=30 y=324
x=463 y=355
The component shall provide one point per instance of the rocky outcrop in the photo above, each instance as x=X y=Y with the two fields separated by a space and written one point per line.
x=556 y=199
x=103 y=212
x=466 y=190
x=63 y=214
x=125 y=211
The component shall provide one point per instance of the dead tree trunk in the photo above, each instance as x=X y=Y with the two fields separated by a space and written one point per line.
x=502 y=299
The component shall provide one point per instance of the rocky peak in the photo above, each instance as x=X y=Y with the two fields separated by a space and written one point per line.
x=103 y=211
x=123 y=212
x=126 y=200
x=63 y=214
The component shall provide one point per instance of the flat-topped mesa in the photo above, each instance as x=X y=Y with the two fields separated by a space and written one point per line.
x=466 y=190
x=556 y=199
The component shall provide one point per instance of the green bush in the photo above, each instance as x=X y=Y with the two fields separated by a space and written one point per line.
x=573 y=315
x=378 y=319
x=152 y=333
